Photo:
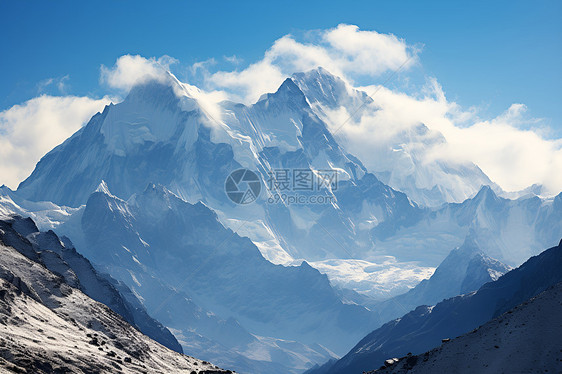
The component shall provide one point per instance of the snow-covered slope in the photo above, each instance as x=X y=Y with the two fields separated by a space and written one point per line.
x=149 y=136
x=45 y=214
x=157 y=236
x=376 y=280
x=423 y=328
x=324 y=90
x=525 y=339
x=50 y=326
x=464 y=270
x=60 y=257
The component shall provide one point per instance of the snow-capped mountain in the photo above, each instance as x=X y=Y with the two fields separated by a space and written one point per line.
x=508 y=230
x=324 y=90
x=464 y=270
x=50 y=325
x=161 y=134
x=425 y=327
x=524 y=339
x=185 y=248
x=149 y=126
x=156 y=236
x=126 y=146
x=402 y=160
x=164 y=133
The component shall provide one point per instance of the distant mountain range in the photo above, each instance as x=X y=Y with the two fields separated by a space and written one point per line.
x=165 y=133
x=424 y=328
x=277 y=285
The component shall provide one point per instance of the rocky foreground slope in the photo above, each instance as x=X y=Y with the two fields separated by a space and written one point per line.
x=526 y=339
x=49 y=326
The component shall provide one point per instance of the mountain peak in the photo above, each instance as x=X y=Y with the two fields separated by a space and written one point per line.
x=288 y=96
x=318 y=73
x=289 y=90
x=5 y=190
x=103 y=188
x=322 y=87
x=157 y=189
x=155 y=92
x=290 y=86
x=485 y=194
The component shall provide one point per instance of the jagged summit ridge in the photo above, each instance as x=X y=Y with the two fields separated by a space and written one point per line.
x=322 y=87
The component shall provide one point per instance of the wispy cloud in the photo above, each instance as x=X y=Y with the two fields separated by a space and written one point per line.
x=510 y=148
x=134 y=69
x=344 y=50
x=60 y=84
x=235 y=60
x=30 y=130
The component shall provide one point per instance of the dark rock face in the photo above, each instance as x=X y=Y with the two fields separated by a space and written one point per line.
x=521 y=340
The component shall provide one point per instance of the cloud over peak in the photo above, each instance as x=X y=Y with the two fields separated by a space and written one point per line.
x=134 y=69
x=509 y=148
x=344 y=50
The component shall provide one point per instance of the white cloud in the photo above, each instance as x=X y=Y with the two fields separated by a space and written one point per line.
x=367 y=52
x=30 y=130
x=235 y=60
x=60 y=84
x=249 y=84
x=514 y=158
x=130 y=70
x=344 y=50
x=512 y=155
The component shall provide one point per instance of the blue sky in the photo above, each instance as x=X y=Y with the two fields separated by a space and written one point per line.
x=488 y=54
